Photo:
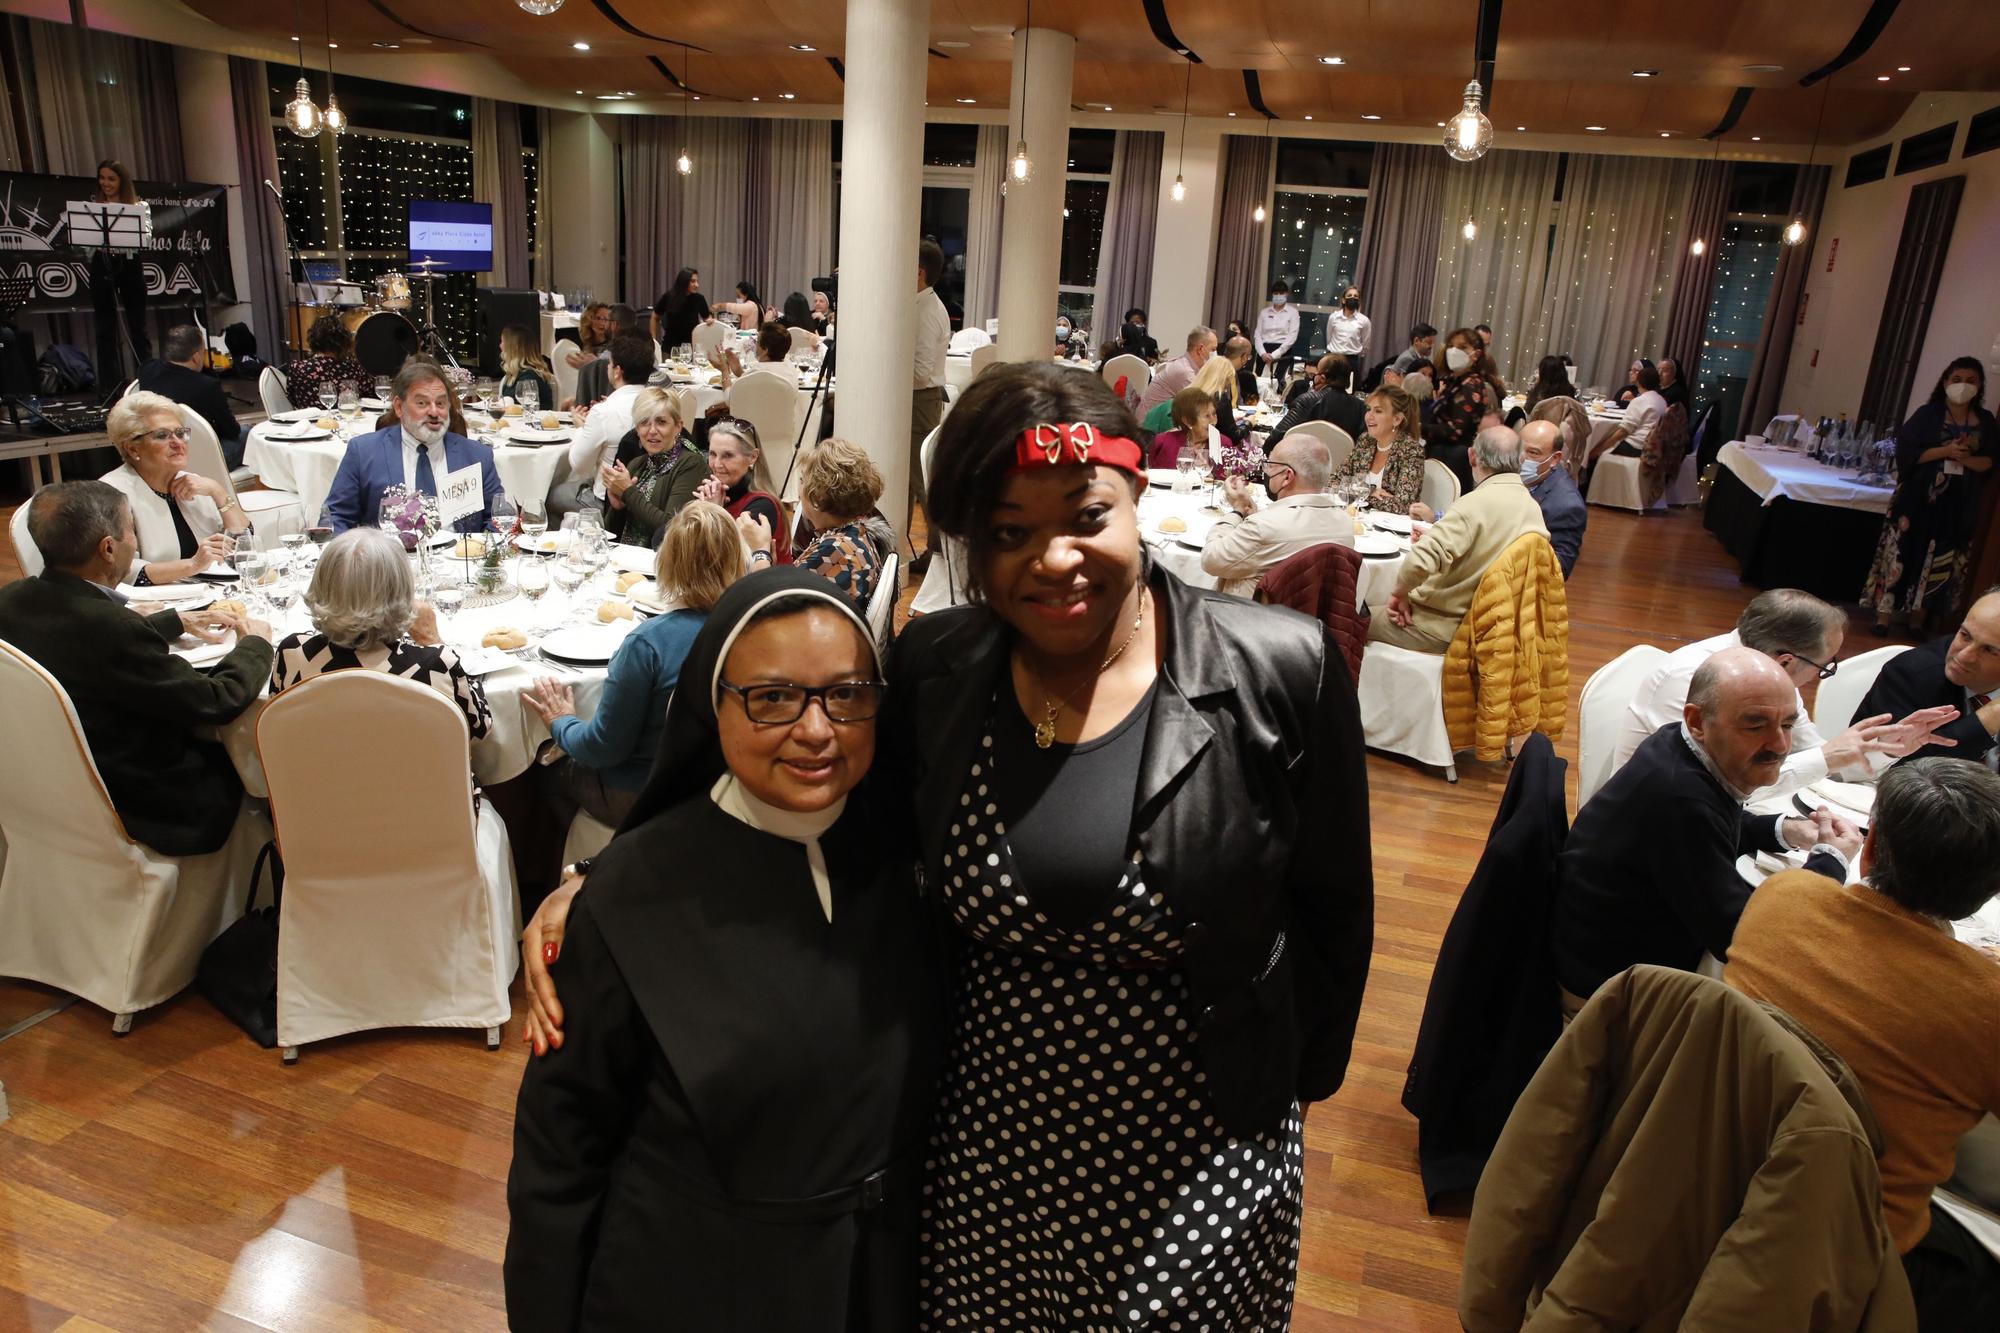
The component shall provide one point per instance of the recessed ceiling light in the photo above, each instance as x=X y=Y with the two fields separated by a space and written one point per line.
x=1232 y=114
x=1595 y=129
x=333 y=46
x=579 y=92
x=1522 y=128
x=966 y=101
x=1440 y=124
x=1763 y=69
x=295 y=39
x=801 y=46
x=386 y=46
x=1370 y=117
x=579 y=46
x=1881 y=78
x=786 y=97
x=1331 y=60
x=1902 y=69
x=759 y=99
x=1645 y=74
x=1665 y=135
x=1308 y=117
x=697 y=97
x=1756 y=138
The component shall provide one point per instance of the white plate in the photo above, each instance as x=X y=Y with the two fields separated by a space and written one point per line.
x=587 y=644
x=547 y=544
x=1391 y=522
x=374 y=405
x=637 y=559
x=298 y=433
x=181 y=596
x=198 y=654
x=530 y=435
x=1380 y=544
x=1853 y=795
x=484 y=661
x=298 y=414
x=219 y=574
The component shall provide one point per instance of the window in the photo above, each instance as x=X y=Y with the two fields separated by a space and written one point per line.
x=1315 y=238
x=1746 y=264
x=1982 y=134
x=1863 y=168
x=1929 y=149
x=1086 y=194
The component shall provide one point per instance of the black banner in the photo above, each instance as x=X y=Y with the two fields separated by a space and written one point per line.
x=187 y=261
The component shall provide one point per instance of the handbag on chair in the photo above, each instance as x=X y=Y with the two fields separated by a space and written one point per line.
x=238 y=972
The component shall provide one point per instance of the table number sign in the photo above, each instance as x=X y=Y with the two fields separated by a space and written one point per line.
x=460 y=495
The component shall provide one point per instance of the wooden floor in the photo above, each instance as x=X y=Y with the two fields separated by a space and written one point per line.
x=182 y=1178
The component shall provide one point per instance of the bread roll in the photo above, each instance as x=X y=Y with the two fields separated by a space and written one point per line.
x=1173 y=523
x=505 y=636
x=550 y=421
x=229 y=606
x=610 y=611
x=327 y=423
x=511 y=410
x=630 y=579
x=474 y=547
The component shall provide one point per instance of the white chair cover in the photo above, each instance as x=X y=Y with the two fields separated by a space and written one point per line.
x=944 y=581
x=983 y=356
x=802 y=339
x=1615 y=484
x=586 y=837
x=1607 y=697
x=565 y=373
x=882 y=606
x=1136 y=372
x=708 y=336
x=272 y=388
x=1840 y=694
x=399 y=906
x=273 y=513
x=83 y=907
x=966 y=339
x=770 y=402
x=1337 y=441
x=705 y=396
x=1686 y=489
x=1401 y=692
x=1440 y=489
x=25 y=550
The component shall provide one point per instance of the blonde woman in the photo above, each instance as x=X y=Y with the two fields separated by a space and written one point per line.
x=839 y=485
x=184 y=521
x=655 y=473
x=593 y=334
x=609 y=756
x=521 y=360
x=1390 y=457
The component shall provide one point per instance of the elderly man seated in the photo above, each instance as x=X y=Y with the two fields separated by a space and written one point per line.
x=1548 y=480
x=181 y=374
x=417 y=452
x=1441 y=574
x=1244 y=543
x=1648 y=874
x=1803 y=635
x=1872 y=970
x=138 y=703
x=1178 y=373
x=1960 y=673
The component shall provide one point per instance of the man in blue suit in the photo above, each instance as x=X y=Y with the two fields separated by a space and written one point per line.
x=417 y=453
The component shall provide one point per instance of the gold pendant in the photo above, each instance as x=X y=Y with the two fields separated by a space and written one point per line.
x=1045 y=732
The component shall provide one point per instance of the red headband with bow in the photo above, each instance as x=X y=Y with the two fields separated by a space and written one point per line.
x=1074 y=444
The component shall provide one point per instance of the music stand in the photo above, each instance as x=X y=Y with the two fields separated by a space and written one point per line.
x=96 y=225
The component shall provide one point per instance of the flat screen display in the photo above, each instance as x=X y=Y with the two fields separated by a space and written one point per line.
x=458 y=236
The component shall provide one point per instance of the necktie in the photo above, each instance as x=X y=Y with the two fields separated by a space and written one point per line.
x=426 y=479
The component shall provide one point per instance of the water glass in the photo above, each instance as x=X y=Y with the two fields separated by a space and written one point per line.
x=328 y=396
x=382 y=387
x=281 y=595
x=531 y=576
x=295 y=542
x=350 y=400
x=529 y=394
x=534 y=521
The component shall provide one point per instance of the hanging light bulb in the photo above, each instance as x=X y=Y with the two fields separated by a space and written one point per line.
x=1180 y=189
x=1257 y=214
x=1468 y=134
x=1021 y=166
x=1796 y=232
x=1187 y=86
x=1470 y=230
x=540 y=6
x=301 y=115
x=1698 y=247
x=333 y=119
x=683 y=164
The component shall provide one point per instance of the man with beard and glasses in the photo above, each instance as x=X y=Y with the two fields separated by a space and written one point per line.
x=1648 y=874
x=417 y=452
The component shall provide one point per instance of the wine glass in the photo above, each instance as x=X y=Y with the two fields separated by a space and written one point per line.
x=328 y=396
x=531 y=576
x=252 y=566
x=447 y=595
x=281 y=593
x=294 y=543
x=320 y=533
x=350 y=400
x=534 y=521
x=382 y=387
x=529 y=394
x=569 y=575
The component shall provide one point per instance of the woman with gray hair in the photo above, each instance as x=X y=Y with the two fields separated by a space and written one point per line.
x=183 y=520
x=365 y=615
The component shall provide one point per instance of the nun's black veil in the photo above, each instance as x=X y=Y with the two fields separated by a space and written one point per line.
x=690 y=755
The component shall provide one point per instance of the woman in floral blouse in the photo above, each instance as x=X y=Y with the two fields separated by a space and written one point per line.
x=329 y=364
x=1388 y=458
x=838 y=486
x=1465 y=397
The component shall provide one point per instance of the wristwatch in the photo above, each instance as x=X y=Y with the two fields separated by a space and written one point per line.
x=765 y=556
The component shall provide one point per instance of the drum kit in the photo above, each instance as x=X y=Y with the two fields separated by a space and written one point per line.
x=384 y=337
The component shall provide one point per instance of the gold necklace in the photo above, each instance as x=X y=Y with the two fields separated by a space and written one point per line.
x=1045 y=730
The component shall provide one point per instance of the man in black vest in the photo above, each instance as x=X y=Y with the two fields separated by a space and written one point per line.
x=1963 y=671
x=182 y=375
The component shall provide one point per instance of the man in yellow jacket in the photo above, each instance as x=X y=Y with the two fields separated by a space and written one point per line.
x=1442 y=572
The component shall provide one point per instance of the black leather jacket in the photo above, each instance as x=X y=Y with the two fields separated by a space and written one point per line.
x=1252 y=818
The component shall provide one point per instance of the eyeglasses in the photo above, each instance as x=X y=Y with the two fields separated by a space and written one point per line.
x=778 y=704
x=180 y=433
x=1825 y=669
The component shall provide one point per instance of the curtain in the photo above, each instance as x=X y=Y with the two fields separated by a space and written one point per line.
x=1906 y=310
x=982 y=227
x=1761 y=391
x=651 y=200
x=715 y=208
x=790 y=206
x=544 y=250
x=263 y=238
x=1611 y=277
x=1497 y=277
x=1131 y=215
x=1397 y=269
x=1239 y=251
x=497 y=179
x=1687 y=317
x=85 y=95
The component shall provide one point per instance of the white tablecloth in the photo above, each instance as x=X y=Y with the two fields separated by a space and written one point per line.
x=1378 y=573
x=307 y=467
x=517 y=731
x=958 y=370
x=1774 y=472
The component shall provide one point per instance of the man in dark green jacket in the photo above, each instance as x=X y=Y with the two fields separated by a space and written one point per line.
x=138 y=703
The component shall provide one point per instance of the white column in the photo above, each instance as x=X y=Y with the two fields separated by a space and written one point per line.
x=1031 y=226
x=208 y=140
x=881 y=197
x=581 y=188
x=1184 y=242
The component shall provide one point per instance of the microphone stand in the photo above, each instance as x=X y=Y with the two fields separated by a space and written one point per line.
x=295 y=265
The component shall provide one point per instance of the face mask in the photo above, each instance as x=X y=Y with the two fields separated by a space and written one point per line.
x=1138 y=330
x=1270 y=488
x=1062 y=333
x=1352 y=303
x=1531 y=471
x=1279 y=300
x=1457 y=358
x=1961 y=393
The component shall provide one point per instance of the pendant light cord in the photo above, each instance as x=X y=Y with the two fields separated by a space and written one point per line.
x=326 y=11
x=1187 y=86
x=298 y=26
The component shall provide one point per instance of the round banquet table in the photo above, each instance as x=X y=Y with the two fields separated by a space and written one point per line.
x=307 y=467
x=1180 y=552
x=517 y=731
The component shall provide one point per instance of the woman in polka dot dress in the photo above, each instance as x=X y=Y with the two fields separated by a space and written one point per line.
x=1111 y=775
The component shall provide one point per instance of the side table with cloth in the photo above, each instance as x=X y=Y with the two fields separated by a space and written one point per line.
x=1792 y=522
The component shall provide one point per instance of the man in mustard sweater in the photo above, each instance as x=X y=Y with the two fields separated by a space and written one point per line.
x=1873 y=970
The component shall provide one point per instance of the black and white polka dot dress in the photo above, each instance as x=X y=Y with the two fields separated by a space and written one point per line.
x=1077 y=1180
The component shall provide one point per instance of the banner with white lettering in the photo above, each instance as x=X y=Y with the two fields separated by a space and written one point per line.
x=187 y=259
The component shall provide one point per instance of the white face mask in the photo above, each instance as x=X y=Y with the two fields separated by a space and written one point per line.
x=1062 y=333
x=1457 y=358
x=1961 y=393
x=1279 y=300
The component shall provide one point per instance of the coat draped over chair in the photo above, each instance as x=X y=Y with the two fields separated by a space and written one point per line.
x=1323 y=582
x=1506 y=672
x=1660 y=461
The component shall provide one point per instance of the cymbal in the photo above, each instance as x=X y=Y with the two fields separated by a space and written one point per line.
x=426 y=263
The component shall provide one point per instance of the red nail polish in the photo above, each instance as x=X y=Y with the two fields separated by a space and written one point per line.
x=548 y=953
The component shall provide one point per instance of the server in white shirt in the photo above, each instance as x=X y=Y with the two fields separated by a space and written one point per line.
x=1803 y=635
x=927 y=382
x=1348 y=330
x=596 y=441
x=1277 y=333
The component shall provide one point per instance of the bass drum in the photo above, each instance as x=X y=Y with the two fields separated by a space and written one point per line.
x=383 y=339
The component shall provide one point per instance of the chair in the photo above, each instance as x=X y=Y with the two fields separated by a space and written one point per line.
x=1401 y=692
x=83 y=906
x=882 y=606
x=983 y=356
x=565 y=374
x=273 y=513
x=1841 y=693
x=272 y=388
x=1607 y=696
x=965 y=340
x=1337 y=441
x=399 y=907
x=25 y=550
x=131 y=386
x=1440 y=488
x=1574 y=422
x=770 y=402
x=586 y=838
x=709 y=336
x=1616 y=483
x=1136 y=374
x=803 y=340
x=1322 y=582
x=1686 y=489
x=703 y=396
x=1660 y=461
x=944 y=582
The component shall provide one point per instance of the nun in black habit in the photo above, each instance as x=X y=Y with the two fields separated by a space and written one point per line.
x=730 y=1135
